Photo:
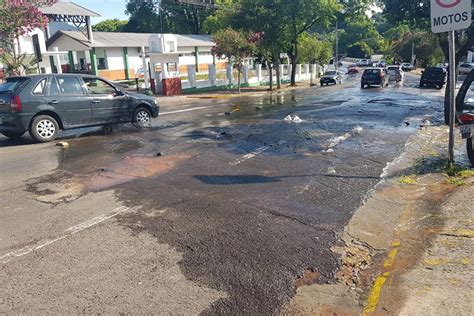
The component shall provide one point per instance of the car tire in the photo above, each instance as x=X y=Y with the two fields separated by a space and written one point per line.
x=142 y=117
x=470 y=150
x=44 y=128
x=13 y=135
x=362 y=86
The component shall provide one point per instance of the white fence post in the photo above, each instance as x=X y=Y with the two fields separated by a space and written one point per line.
x=282 y=68
x=259 y=73
x=212 y=74
x=298 y=71
x=314 y=70
x=306 y=71
x=229 y=73
x=290 y=69
x=192 y=75
x=245 y=74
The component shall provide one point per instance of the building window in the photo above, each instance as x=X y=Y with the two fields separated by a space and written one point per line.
x=101 y=63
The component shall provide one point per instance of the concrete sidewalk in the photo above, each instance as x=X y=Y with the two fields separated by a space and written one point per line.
x=408 y=250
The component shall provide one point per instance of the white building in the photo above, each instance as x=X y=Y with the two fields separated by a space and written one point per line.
x=118 y=55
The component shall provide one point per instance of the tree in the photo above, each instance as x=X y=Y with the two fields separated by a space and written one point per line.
x=167 y=16
x=236 y=46
x=18 y=17
x=110 y=25
x=314 y=51
x=301 y=16
x=144 y=17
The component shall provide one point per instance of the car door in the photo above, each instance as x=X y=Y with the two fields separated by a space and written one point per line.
x=69 y=100
x=109 y=105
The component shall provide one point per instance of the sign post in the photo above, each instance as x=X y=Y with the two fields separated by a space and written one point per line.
x=449 y=16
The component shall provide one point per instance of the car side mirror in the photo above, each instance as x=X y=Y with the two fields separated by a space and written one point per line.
x=118 y=93
x=422 y=71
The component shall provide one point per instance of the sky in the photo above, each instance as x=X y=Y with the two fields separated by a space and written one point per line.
x=108 y=9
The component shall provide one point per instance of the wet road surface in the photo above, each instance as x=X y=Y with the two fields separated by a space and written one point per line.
x=251 y=202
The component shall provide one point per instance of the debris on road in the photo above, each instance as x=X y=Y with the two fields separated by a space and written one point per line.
x=292 y=118
x=63 y=144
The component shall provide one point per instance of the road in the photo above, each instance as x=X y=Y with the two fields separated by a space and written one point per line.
x=220 y=208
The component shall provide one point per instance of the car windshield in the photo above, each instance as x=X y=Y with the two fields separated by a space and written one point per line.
x=330 y=73
x=440 y=70
x=372 y=71
x=10 y=85
x=393 y=68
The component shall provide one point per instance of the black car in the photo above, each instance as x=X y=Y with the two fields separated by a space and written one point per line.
x=374 y=76
x=45 y=104
x=433 y=77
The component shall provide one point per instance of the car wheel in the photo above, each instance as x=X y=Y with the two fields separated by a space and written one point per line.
x=142 y=117
x=470 y=150
x=13 y=135
x=44 y=128
x=362 y=86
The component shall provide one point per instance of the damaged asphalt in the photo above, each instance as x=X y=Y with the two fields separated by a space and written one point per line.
x=251 y=202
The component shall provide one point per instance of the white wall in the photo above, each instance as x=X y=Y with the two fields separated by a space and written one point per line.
x=115 y=59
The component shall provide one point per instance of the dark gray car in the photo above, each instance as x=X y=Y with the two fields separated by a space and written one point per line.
x=45 y=104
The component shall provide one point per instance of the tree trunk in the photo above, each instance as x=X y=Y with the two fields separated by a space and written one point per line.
x=278 y=74
x=270 y=70
x=238 y=80
x=294 y=60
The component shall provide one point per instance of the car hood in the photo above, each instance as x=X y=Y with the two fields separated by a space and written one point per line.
x=140 y=96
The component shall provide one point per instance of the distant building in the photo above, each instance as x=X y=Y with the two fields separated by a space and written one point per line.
x=119 y=55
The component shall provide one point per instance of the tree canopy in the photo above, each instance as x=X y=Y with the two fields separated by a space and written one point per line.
x=111 y=25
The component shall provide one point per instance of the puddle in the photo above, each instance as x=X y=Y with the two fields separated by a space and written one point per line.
x=65 y=187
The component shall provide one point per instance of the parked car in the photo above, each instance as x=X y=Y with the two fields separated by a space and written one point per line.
x=382 y=64
x=433 y=77
x=374 y=76
x=407 y=67
x=395 y=73
x=466 y=68
x=45 y=104
x=333 y=76
x=352 y=71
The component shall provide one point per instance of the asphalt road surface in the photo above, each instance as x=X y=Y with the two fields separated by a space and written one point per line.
x=218 y=208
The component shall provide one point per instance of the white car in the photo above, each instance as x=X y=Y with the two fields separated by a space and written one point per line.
x=395 y=73
x=364 y=63
x=466 y=68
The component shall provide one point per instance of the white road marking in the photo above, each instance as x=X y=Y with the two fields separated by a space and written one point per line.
x=189 y=110
x=251 y=155
x=68 y=232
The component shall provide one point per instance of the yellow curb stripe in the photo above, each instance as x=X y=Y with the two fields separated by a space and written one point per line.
x=374 y=296
x=391 y=258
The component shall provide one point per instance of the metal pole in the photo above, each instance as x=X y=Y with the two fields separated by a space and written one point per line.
x=452 y=94
x=336 y=61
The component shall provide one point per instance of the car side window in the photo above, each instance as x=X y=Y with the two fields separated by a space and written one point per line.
x=40 y=87
x=98 y=86
x=69 y=86
x=54 y=89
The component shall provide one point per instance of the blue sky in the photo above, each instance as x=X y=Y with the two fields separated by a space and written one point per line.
x=108 y=9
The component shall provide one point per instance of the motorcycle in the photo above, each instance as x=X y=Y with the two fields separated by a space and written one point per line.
x=465 y=114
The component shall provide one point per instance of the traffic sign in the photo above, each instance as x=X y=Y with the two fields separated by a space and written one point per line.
x=450 y=15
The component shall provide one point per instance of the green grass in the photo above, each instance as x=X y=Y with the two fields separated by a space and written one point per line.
x=456 y=181
x=407 y=180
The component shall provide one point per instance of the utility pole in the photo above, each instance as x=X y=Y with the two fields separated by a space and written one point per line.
x=336 y=60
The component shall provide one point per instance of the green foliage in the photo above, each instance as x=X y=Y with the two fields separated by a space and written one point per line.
x=17 y=65
x=360 y=38
x=313 y=50
x=111 y=25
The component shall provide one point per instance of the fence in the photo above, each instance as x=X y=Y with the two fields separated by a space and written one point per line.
x=214 y=79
